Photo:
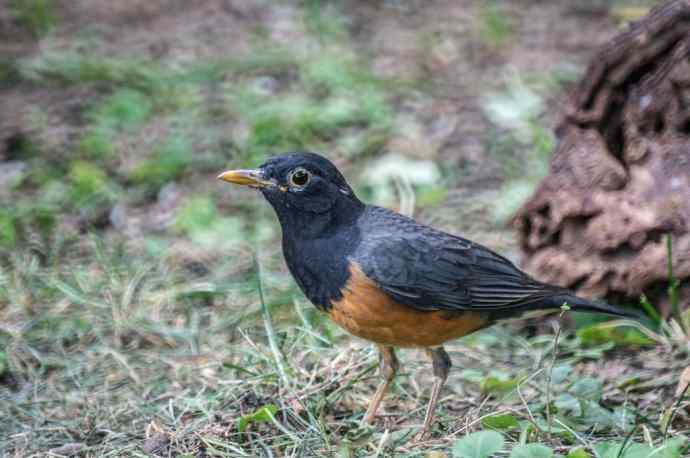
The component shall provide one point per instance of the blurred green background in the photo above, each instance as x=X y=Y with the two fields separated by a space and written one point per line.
x=121 y=255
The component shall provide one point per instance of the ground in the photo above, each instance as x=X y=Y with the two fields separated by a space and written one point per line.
x=144 y=307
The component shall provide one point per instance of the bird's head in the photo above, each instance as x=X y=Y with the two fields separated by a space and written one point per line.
x=304 y=188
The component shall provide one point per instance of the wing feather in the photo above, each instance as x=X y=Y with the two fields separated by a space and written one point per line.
x=432 y=270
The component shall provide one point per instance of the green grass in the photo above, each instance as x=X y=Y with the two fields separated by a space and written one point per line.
x=126 y=110
x=495 y=28
x=123 y=356
x=38 y=16
x=8 y=228
x=168 y=163
x=77 y=66
x=89 y=185
x=329 y=101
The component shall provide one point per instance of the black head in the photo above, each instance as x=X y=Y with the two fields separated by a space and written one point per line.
x=306 y=190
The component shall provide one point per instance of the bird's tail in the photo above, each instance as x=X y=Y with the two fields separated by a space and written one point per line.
x=583 y=305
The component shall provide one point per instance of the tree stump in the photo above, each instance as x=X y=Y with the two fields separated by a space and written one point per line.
x=620 y=176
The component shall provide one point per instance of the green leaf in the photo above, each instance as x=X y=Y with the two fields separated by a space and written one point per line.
x=555 y=429
x=671 y=449
x=560 y=373
x=471 y=375
x=531 y=451
x=594 y=415
x=578 y=453
x=623 y=418
x=568 y=404
x=587 y=388
x=481 y=444
x=505 y=421
x=496 y=385
x=262 y=415
x=608 y=449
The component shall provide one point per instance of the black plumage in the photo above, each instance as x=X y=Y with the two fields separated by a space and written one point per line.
x=428 y=269
x=325 y=227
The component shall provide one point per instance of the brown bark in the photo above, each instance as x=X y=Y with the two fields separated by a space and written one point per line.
x=620 y=175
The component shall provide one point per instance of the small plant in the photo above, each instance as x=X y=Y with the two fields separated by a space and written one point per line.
x=495 y=28
x=98 y=143
x=482 y=444
x=125 y=110
x=36 y=15
x=676 y=328
x=8 y=228
x=90 y=187
x=262 y=415
x=169 y=161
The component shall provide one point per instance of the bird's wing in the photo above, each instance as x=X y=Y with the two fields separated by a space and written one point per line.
x=430 y=270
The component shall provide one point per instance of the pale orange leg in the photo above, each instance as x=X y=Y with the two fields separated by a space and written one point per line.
x=441 y=364
x=388 y=366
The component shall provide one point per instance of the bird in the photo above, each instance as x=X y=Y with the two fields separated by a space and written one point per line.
x=387 y=278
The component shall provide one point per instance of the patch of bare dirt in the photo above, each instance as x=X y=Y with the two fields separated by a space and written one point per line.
x=438 y=45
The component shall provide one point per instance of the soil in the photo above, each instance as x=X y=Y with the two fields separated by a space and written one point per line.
x=438 y=43
x=440 y=46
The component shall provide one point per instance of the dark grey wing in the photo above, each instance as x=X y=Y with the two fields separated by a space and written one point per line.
x=431 y=270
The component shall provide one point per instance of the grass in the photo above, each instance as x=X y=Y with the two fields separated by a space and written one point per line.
x=161 y=359
x=325 y=98
x=494 y=26
x=38 y=16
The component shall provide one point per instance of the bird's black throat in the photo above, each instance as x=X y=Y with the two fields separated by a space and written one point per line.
x=317 y=246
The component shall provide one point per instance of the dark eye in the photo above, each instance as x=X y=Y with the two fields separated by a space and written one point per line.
x=299 y=177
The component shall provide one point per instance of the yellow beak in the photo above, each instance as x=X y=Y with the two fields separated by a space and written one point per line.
x=253 y=178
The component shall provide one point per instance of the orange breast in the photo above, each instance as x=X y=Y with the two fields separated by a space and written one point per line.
x=368 y=312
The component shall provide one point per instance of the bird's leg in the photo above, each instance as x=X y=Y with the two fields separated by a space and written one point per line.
x=441 y=364
x=388 y=366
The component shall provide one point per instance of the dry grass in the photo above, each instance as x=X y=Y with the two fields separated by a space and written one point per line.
x=114 y=358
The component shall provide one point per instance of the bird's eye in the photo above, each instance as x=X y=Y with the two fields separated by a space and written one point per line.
x=300 y=177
